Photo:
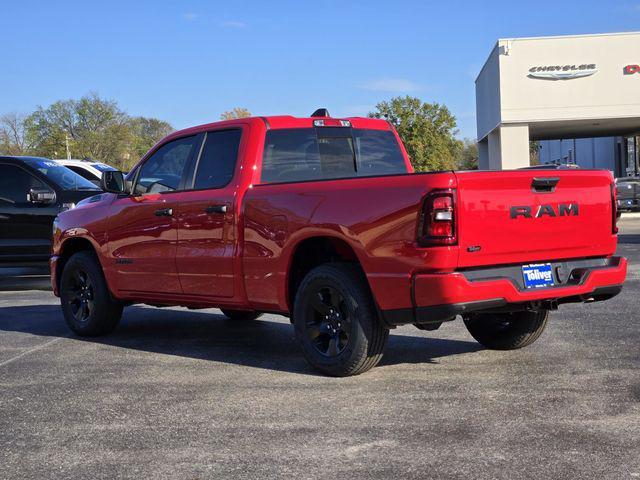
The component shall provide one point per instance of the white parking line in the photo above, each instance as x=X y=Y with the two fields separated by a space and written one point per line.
x=31 y=350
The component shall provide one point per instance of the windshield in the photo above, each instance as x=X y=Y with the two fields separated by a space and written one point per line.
x=61 y=176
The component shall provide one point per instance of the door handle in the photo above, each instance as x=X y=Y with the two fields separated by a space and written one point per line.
x=164 y=212
x=216 y=209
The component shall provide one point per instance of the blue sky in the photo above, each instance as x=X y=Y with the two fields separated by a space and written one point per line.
x=187 y=61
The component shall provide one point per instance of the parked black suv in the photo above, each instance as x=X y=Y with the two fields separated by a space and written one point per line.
x=32 y=192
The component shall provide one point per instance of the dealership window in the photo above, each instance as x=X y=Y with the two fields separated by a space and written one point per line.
x=632 y=156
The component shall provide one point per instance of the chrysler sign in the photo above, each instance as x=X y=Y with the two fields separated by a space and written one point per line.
x=562 y=72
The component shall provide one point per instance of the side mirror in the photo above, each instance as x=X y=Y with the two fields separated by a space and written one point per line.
x=112 y=181
x=42 y=196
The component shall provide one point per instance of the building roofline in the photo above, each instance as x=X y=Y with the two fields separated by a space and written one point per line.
x=582 y=35
x=549 y=37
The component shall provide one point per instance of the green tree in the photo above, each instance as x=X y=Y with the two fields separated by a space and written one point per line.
x=534 y=153
x=238 y=112
x=467 y=154
x=427 y=131
x=92 y=128
x=145 y=134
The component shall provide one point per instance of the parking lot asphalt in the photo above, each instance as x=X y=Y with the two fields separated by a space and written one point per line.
x=182 y=394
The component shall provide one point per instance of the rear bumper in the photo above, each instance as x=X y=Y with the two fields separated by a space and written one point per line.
x=439 y=297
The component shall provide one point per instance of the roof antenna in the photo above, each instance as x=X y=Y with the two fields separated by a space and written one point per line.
x=321 y=112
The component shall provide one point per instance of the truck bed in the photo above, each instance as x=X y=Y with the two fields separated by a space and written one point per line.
x=500 y=218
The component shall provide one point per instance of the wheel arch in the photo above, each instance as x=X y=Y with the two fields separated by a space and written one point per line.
x=313 y=251
x=69 y=247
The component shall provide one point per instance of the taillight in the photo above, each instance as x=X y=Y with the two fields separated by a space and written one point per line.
x=438 y=219
x=614 y=209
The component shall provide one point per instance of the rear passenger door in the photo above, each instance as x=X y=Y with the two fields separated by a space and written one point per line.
x=207 y=239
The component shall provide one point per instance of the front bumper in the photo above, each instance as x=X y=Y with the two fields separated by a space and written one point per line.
x=441 y=296
x=53 y=266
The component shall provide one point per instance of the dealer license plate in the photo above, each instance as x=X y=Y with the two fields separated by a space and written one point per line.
x=539 y=275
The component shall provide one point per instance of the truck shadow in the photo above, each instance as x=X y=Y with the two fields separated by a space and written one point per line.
x=205 y=336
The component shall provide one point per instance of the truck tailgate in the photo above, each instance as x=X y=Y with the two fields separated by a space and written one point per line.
x=529 y=216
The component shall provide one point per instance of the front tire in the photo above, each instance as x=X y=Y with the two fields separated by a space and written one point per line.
x=336 y=321
x=87 y=305
x=507 y=331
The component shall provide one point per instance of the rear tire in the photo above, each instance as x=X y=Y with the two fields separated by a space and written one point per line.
x=336 y=321
x=507 y=331
x=241 y=315
x=87 y=305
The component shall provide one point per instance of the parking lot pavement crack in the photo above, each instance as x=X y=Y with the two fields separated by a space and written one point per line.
x=31 y=350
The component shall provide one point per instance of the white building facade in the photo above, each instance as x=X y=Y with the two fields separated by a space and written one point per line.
x=578 y=96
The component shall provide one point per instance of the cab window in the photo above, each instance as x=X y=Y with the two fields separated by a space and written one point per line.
x=162 y=171
x=293 y=155
x=218 y=159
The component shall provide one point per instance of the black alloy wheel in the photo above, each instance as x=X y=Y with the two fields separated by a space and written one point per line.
x=87 y=304
x=336 y=321
x=329 y=323
x=80 y=296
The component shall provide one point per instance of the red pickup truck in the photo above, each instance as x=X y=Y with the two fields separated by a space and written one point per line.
x=323 y=220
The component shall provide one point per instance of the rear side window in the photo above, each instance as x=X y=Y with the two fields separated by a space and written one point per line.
x=292 y=155
x=218 y=159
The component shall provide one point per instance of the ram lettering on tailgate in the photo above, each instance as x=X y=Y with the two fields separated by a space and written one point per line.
x=562 y=210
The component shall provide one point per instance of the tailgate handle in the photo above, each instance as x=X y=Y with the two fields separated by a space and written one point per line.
x=544 y=184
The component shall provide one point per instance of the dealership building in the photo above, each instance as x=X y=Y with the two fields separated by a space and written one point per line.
x=577 y=96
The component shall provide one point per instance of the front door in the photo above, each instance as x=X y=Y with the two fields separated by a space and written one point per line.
x=25 y=227
x=143 y=228
x=207 y=233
